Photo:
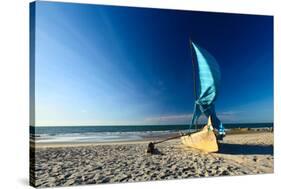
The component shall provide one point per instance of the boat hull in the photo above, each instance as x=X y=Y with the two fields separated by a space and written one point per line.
x=204 y=140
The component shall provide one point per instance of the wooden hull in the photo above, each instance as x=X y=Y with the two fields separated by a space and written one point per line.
x=204 y=140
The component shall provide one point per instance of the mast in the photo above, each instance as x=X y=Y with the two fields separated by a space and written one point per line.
x=194 y=71
x=194 y=78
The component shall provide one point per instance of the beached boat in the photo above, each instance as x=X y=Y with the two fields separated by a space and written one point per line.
x=207 y=72
x=204 y=139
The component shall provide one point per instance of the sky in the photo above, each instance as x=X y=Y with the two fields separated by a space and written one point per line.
x=108 y=65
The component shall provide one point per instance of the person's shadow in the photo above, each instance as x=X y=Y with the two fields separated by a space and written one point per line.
x=245 y=149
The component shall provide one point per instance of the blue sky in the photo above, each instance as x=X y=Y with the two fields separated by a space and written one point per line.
x=105 y=65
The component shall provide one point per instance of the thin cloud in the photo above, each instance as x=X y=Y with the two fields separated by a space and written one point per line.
x=178 y=118
x=227 y=116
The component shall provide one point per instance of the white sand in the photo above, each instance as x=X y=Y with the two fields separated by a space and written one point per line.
x=75 y=164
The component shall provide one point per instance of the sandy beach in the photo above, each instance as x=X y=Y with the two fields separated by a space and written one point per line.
x=75 y=164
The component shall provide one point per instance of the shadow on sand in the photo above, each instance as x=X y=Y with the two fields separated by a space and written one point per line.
x=239 y=149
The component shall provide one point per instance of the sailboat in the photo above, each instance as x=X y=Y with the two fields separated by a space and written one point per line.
x=208 y=73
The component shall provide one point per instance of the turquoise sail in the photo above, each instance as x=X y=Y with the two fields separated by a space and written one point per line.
x=209 y=77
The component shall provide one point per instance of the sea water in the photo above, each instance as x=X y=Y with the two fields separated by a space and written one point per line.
x=85 y=134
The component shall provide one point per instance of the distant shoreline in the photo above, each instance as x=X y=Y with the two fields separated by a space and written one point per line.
x=34 y=144
x=139 y=125
x=56 y=136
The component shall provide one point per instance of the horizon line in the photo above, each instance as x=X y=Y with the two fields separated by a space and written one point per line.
x=141 y=125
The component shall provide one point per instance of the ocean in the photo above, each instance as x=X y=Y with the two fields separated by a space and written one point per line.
x=85 y=134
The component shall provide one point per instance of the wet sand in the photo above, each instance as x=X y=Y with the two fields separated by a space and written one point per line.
x=76 y=164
